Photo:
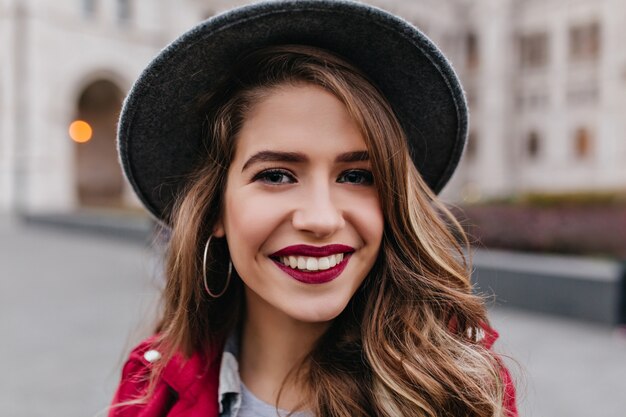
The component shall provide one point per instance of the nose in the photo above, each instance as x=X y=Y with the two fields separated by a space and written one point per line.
x=317 y=213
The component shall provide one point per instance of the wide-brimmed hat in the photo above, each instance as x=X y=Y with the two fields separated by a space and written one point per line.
x=160 y=133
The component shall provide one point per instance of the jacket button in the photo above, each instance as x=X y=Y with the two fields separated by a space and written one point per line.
x=152 y=355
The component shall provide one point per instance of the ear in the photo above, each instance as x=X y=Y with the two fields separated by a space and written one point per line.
x=218 y=229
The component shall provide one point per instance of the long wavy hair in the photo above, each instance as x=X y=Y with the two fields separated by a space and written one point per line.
x=409 y=341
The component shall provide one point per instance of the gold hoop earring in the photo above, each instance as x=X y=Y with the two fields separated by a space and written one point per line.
x=206 y=285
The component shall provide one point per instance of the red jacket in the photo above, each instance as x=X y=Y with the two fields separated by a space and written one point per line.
x=186 y=388
x=190 y=388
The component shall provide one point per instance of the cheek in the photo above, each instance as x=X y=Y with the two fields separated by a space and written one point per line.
x=376 y=220
x=367 y=216
x=248 y=220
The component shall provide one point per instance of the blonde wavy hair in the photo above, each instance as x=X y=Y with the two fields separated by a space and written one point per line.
x=409 y=342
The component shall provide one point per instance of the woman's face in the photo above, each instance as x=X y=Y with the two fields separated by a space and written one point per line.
x=302 y=216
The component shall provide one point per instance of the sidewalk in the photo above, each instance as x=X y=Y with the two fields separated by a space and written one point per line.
x=70 y=308
x=565 y=368
x=71 y=305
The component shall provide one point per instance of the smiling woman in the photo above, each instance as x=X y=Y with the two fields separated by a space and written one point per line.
x=311 y=268
x=299 y=206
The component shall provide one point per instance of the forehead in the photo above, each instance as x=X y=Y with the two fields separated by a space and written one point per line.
x=302 y=118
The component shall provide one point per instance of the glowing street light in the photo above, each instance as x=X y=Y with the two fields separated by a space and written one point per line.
x=80 y=131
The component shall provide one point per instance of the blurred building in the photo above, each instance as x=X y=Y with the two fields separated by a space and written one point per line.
x=546 y=82
x=70 y=60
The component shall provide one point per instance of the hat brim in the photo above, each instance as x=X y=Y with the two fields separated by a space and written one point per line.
x=160 y=131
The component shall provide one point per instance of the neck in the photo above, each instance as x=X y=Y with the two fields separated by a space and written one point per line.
x=272 y=344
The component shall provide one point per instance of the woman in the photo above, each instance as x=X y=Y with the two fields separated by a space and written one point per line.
x=311 y=268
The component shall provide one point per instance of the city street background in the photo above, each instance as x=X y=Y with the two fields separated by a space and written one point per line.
x=543 y=173
x=72 y=304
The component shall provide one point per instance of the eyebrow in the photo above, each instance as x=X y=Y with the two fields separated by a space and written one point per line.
x=279 y=156
x=355 y=156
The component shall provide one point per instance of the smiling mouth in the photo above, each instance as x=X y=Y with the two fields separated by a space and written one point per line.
x=313 y=264
x=310 y=276
x=310 y=263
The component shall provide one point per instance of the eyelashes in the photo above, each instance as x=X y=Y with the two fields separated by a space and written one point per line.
x=358 y=176
x=275 y=176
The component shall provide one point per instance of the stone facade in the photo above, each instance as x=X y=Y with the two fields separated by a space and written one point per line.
x=546 y=82
x=548 y=97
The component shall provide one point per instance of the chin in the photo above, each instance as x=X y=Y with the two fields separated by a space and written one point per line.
x=317 y=314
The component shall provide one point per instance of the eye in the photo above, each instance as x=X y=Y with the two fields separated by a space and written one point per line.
x=357 y=176
x=274 y=177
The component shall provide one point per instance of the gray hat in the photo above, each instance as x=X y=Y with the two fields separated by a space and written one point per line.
x=160 y=134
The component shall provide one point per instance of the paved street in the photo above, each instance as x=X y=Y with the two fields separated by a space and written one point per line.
x=72 y=304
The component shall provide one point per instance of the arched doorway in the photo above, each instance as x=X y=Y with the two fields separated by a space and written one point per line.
x=99 y=180
x=583 y=143
x=533 y=145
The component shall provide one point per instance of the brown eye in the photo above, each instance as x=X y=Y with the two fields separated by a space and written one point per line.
x=357 y=176
x=274 y=177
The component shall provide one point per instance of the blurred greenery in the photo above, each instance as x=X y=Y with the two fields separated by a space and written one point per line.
x=579 y=198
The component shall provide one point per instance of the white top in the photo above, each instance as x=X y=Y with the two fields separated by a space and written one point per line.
x=251 y=406
x=235 y=399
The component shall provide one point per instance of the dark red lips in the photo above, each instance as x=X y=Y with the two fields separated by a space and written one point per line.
x=314 y=277
x=316 y=251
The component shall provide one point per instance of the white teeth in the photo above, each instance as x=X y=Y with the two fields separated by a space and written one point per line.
x=309 y=263
x=301 y=263
x=324 y=263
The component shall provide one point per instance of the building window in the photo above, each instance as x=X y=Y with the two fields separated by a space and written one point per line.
x=533 y=50
x=472 y=59
x=584 y=41
x=124 y=11
x=89 y=8
x=583 y=94
x=533 y=145
x=532 y=100
x=472 y=147
x=470 y=96
x=583 y=143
